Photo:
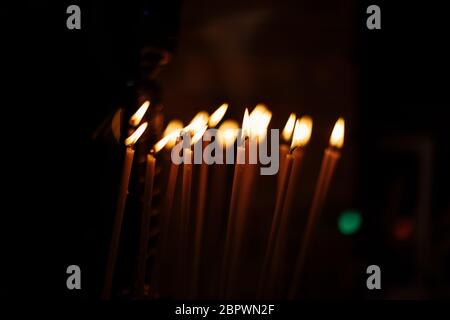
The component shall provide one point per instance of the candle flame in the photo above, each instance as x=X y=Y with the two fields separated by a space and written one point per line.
x=170 y=135
x=134 y=137
x=139 y=114
x=245 y=125
x=260 y=107
x=259 y=121
x=337 y=136
x=289 y=127
x=228 y=132
x=173 y=130
x=302 y=132
x=161 y=143
x=217 y=115
x=197 y=123
x=198 y=135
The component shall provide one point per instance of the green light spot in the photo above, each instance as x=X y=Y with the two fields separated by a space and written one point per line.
x=349 y=222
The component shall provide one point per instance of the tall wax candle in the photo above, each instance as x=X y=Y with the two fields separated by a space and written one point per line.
x=145 y=224
x=160 y=278
x=259 y=120
x=120 y=209
x=286 y=135
x=185 y=219
x=234 y=203
x=199 y=222
x=289 y=176
x=330 y=158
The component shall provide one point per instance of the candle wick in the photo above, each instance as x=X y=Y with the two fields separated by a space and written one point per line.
x=333 y=148
x=292 y=149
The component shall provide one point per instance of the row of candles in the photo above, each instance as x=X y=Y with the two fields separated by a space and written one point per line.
x=295 y=135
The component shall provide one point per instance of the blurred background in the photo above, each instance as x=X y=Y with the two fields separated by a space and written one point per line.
x=389 y=201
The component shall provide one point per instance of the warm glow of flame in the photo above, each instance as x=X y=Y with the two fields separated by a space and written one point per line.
x=337 y=136
x=260 y=108
x=131 y=140
x=217 y=115
x=170 y=135
x=197 y=123
x=137 y=117
x=228 y=132
x=302 y=132
x=173 y=130
x=246 y=125
x=289 y=128
x=173 y=126
x=259 y=121
x=161 y=143
x=199 y=134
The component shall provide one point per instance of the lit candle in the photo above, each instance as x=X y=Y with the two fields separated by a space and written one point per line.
x=120 y=209
x=226 y=138
x=330 y=158
x=146 y=215
x=192 y=133
x=284 y=146
x=136 y=118
x=258 y=122
x=185 y=208
x=237 y=178
x=213 y=120
x=161 y=274
x=302 y=134
x=288 y=178
x=184 y=217
x=218 y=197
x=172 y=131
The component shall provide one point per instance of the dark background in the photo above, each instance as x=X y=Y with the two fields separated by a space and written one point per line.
x=309 y=57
